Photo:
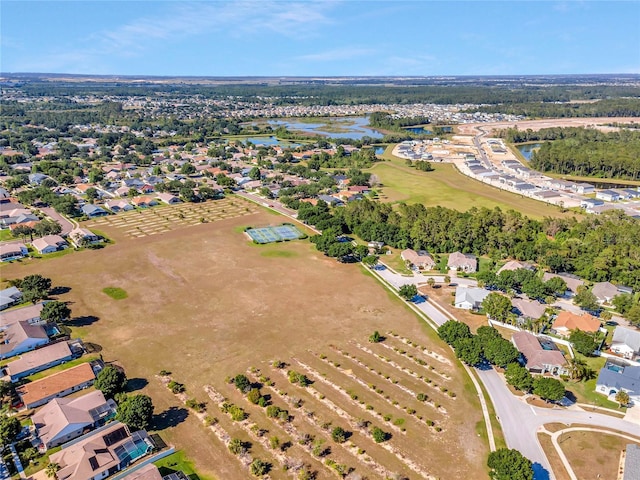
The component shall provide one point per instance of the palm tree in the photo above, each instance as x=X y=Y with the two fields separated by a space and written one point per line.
x=52 y=470
x=578 y=369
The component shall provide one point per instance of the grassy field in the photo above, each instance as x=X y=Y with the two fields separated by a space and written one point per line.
x=205 y=303
x=179 y=462
x=447 y=187
x=115 y=292
x=5 y=234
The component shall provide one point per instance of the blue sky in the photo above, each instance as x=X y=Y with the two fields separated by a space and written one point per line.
x=320 y=38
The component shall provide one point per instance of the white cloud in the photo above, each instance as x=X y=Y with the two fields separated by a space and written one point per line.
x=335 y=54
x=228 y=19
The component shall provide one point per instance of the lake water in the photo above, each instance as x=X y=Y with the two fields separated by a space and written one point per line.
x=419 y=130
x=379 y=150
x=269 y=142
x=350 y=127
x=527 y=149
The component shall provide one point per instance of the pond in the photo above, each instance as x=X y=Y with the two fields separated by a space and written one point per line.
x=379 y=150
x=527 y=149
x=338 y=127
x=268 y=142
x=419 y=130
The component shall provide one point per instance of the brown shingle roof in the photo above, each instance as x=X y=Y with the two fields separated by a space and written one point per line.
x=571 y=321
x=58 y=382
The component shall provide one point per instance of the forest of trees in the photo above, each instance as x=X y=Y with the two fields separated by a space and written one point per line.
x=589 y=152
x=615 y=107
x=597 y=248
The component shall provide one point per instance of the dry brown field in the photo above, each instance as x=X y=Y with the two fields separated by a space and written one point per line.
x=596 y=122
x=205 y=303
x=593 y=454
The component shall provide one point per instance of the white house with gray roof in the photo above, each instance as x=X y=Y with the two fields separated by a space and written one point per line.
x=626 y=342
x=613 y=378
x=470 y=298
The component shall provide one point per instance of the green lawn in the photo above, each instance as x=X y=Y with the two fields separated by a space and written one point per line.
x=449 y=188
x=585 y=390
x=61 y=367
x=178 y=461
x=40 y=462
x=395 y=262
x=5 y=235
x=116 y=293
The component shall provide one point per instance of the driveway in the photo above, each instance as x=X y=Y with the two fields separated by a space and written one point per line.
x=64 y=222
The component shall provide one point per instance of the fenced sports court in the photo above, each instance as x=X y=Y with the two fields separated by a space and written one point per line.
x=279 y=233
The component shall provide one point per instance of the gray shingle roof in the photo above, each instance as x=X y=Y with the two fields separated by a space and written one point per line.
x=628 y=337
x=632 y=463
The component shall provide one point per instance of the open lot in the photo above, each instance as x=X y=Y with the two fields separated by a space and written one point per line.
x=447 y=187
x=205 y=303
x=592 y=122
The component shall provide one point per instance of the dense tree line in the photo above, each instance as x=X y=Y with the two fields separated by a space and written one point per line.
x=591 y=153
x=597 y=248
x=614 y=107
x=388 y=122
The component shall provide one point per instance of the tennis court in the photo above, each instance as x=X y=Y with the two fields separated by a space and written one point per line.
x=280 y=233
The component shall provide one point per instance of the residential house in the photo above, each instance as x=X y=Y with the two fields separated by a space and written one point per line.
x=583 y=188
x=83 y=236
x=101 y=453
x=17 y=215
x=9 y=296
x=626 y=342
x=420 y=260
x=604 y=292
x=144 y=201
x=566 y=322
x=29 y=314
x=470 y=298
x=333 y=201
x=613 y=378
x=515 y=265
x=37 y=178
x=528 y=309
x=49 y=244
x=57 y=385
x=63 y=419
x=118 y=206
x=590 y=203
x=122 y=191
x=608 y=195
x=151 y=472
x=572 y=281
x=463 y=262
x=168 y=198
x=21 y=337
x=93 y=211
x=538 y=358
x=12 y=251
x=38 y=360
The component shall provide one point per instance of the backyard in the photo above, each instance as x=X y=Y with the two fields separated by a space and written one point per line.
x=205 y=303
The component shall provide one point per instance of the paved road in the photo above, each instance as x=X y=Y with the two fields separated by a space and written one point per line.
x=397 y=279
x=64 y=222
x=520 y=421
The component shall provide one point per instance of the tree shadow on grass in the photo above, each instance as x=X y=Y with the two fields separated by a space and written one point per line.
x=59 y=290
x=83 y=321
x=134 y=384
x=171 y=417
